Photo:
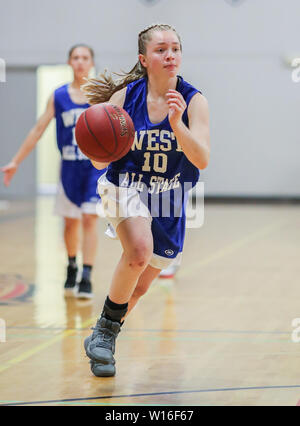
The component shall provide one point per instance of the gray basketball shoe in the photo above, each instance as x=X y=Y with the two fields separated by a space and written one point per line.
x=100 y=346
x=99 y=369
x=103 y=370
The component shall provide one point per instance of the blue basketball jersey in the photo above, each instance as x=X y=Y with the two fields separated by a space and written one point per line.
x=158 y=168
x=78 y=175
x=155 y=153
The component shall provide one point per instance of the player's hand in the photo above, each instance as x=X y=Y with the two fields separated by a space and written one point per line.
x=9 y=170
x=177 y=106
x=99 y=166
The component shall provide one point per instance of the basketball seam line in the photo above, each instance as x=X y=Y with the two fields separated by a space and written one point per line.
x=115 y=136
x=125 y=145
x=91 y=132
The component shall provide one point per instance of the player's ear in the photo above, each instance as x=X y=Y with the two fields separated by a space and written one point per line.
x=143 y=60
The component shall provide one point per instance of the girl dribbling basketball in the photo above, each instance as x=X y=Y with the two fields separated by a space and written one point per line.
x=171 y=145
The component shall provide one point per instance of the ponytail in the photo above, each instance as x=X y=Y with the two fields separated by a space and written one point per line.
x=101 y=89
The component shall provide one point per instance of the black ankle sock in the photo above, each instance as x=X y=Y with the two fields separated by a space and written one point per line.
x=115 y=306
x=86 y=272
x=114 y=311
x=72 y=261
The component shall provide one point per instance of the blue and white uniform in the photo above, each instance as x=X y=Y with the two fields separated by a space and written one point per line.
x=157 y=172
x=77 y=191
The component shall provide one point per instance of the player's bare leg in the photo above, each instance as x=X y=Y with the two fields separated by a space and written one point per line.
x=137 y=242
x=143 y=284
x=89 y=248
x=71 y=235
x=89 y=238
x=136 y=238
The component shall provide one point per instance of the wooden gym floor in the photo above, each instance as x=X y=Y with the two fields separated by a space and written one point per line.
x=221 y=333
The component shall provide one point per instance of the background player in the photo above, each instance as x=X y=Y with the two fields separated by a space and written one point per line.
x=76 y=197
x=172 y=143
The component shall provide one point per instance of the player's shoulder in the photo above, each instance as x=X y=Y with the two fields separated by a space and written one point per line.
x=61 y=89
x=185 y=87
x=118 y=98
x=198 y=107
x=200 y=100
x=193 y=96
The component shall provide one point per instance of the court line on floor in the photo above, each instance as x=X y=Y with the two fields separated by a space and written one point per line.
x=39 y=348
x=160 y=330
x=200 y=338
x=61 y=401
x=231 y=248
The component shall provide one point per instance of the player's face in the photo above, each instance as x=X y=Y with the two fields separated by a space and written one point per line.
x=81 y=61
x=163 y=54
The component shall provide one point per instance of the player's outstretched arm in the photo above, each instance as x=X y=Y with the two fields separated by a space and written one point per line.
x=118 y=99
x=29 y=143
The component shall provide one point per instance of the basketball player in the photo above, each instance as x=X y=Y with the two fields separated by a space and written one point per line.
x=76 y=198
x=172 y=143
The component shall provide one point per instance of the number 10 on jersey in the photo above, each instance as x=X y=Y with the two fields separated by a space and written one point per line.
x=158 y=162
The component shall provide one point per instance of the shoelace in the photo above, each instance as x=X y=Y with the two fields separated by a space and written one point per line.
x=104 y=337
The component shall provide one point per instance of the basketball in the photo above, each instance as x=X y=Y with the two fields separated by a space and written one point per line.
x=104 y=132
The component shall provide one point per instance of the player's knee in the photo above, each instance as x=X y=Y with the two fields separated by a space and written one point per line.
x=140 y=256
x=88 y=222
x=70 y=224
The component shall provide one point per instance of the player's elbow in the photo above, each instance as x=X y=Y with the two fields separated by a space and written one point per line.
x=203 y=164
x=203 y=160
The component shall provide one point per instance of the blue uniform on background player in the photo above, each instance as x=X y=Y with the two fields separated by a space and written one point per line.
x=77 y=195
x=144 y=194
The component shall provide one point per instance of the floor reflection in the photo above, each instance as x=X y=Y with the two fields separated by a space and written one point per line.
x=50 y=306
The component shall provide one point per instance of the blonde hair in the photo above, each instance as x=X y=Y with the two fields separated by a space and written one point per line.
x=98 y=90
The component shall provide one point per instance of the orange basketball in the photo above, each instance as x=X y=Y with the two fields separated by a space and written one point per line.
x=104 y=132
